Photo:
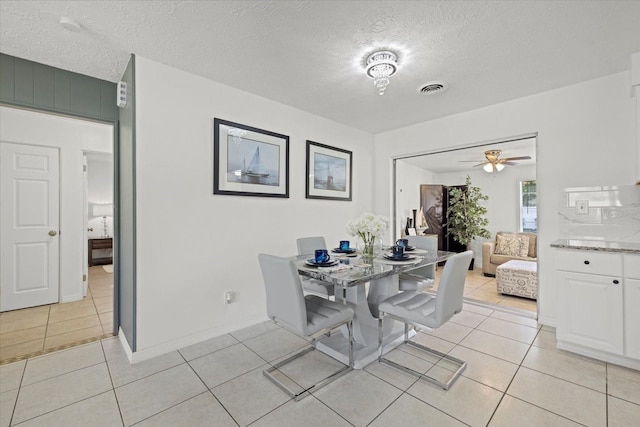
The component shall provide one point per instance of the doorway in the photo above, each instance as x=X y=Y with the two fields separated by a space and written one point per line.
x=71 y=318
x=503 y=187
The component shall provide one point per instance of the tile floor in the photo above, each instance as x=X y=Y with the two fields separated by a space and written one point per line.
x=33 y=331
x=480 y=288
x=38 y=330
x=515 y=377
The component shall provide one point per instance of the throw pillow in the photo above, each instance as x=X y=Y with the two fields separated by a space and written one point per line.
x=512 y=245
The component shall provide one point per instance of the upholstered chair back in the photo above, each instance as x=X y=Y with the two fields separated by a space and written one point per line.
x=285 y=300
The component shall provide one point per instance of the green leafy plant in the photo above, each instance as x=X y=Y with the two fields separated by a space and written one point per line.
x=465 y=215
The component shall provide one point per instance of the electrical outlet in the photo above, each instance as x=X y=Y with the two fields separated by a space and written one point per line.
x=228 y=296
x=582 y=207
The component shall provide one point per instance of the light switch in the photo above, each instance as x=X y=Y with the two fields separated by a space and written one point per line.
x=582 y=207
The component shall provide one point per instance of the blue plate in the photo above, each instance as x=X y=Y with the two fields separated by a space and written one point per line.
x=312 y=262
x=405 y=257
x=340 y=251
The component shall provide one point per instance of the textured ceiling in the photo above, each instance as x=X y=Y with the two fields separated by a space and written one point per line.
x=309 y=54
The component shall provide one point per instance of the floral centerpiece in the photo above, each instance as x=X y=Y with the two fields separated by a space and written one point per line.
x=368 y=226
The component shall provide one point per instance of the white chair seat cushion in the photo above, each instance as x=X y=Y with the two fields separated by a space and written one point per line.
x=323 y=313
x=416 y=283
x=417 y=308
x=318 y=286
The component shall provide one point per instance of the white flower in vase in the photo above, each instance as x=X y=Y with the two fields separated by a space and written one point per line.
x=368 y=226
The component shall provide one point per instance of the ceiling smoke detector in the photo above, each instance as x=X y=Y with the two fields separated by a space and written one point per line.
x=70 y=24
x=433 y=87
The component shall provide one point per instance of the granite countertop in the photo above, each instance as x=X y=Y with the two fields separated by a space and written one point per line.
x=597 y=245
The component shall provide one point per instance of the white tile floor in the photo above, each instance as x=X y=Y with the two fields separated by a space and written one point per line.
x=515 y=377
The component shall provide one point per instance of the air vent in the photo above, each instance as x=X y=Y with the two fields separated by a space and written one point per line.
x=433 y=87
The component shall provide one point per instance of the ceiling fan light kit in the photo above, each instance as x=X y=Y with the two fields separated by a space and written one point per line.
x=493 y=161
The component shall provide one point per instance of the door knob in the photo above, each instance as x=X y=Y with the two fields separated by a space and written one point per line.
x=90 y=229
x=53 y=233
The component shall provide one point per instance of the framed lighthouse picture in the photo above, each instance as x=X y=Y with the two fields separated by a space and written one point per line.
x=248 y=161
x=328 y=172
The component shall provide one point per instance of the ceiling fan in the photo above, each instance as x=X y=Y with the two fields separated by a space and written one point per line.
x=494 y=162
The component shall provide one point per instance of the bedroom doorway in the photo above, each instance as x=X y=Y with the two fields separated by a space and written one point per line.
x=71 y=319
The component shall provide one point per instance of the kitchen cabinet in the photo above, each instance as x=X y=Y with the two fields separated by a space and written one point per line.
x=632 y=305
x=599 y=305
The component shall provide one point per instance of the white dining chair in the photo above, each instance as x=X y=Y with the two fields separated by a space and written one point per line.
x=307 y=246
x=307 y=316
x=419 y=279
x=429 y=312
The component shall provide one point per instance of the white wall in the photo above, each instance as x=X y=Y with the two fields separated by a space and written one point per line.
x=71 y=137
x=193 y=245
x=408 y=181
x=585 y=138
x=100 y=191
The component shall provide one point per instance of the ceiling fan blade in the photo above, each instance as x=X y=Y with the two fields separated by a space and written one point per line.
x=469 y=161
x=517 y=158
x=509 y=163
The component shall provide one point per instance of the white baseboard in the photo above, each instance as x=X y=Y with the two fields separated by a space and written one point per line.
x=125 y=345
x=71 y=298
x=600 y=355
x=143 y=354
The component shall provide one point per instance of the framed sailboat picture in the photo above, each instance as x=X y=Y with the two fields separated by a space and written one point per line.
x=248 y=161
x=328 y=172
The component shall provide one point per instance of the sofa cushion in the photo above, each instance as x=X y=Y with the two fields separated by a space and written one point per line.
x=512 y=245
x=532 y=241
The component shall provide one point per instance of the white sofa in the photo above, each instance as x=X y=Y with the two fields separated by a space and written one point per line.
x=491 y=260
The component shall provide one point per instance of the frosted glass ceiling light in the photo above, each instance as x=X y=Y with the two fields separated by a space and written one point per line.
x=380 y=66
x=499 y=167
x=488 y=167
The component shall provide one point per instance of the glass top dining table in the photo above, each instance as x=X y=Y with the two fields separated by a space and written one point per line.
x=349 y=282
x=359 y=271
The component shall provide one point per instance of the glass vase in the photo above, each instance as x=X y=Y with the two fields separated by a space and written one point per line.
x=368 y=247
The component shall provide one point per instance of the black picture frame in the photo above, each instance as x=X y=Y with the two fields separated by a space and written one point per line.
x=329 y=172
x=248 y=161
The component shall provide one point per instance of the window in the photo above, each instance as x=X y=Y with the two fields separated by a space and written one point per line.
x=528 y=210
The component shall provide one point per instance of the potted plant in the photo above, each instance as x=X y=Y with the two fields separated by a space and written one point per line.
x=466 y=216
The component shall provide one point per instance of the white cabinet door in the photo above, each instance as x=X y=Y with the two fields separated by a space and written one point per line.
x=591 y=312
x=632 y=318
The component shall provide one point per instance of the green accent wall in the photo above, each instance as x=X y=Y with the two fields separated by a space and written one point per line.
x=32 y=85
x=125 y=215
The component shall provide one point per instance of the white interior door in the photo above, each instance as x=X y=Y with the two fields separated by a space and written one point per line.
x=29 y=225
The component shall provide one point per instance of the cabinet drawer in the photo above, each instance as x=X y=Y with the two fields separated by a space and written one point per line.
x=632 y=266
x=590 y=262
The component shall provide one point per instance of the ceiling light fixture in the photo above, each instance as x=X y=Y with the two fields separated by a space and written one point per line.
x=70 y=24
x=381 y=65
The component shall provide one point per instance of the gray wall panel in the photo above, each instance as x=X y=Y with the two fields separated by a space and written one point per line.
x=43 y=86
x=85 y=95
x=28 y=84
x=126 y=210
x=23 y=81
x=62 y=90
x=6 y=78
